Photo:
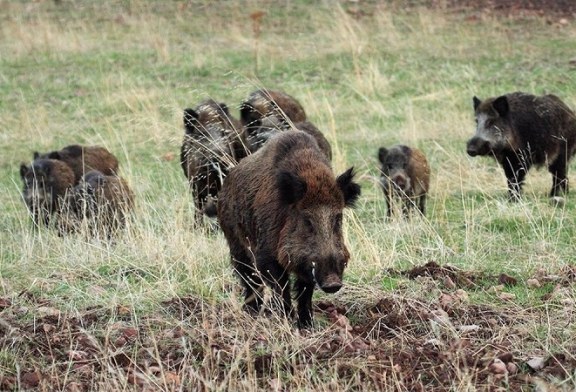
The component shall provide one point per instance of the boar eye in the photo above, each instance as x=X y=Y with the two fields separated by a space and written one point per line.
x=338 y=223
x=309 y=225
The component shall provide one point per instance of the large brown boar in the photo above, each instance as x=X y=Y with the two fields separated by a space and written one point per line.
x=99 y=202
x=405 y=175
x=46 y=182
x=207 y=152
x=520 y=130
x=265 y=103
x=281 y=212
x=82 y=159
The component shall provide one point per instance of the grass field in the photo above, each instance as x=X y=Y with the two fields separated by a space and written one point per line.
x=160 y=309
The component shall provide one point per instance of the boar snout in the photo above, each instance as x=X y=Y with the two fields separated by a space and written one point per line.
x=477 y=146
x=330 y=284
x=400 y=181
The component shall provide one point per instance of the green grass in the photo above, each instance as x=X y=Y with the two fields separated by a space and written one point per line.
x=119 y=74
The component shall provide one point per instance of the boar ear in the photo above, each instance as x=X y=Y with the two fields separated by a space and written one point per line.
x=351 y=190
x=500 y=104
x=476 y=102
x=190 y=117
x=224 y=108
x=248 y=114
x=54 y=155
x=23 y=170
x=382 y=152
x=290 y=187
x=36 y=155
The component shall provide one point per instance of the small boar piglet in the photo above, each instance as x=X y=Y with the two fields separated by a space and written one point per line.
x=46 y=182
x=405 y=176
x=99 y=203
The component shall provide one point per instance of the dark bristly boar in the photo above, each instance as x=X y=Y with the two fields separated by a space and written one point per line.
x=46 y=182
x=520 y=130
x=100 y=202
x=210 y=148
x=83 y=159
x=281 y=212
x=405 y=175
x=265 y=103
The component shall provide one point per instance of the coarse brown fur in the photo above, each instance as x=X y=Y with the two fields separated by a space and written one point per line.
x=264 y=103
x=100 y=202
x=281 y=212
x=212 y=145
x=83 y=159
x=46 y=182
x=520 y=130
x=404 y=174
x=265 y=128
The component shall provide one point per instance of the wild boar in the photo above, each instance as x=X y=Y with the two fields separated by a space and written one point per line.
x=520 y=130
x=46 y=182
x=82 y=159
x=281 y=212
x=265 y=103
x=265 y=128
x=100 y=202
x=405 y=175
x=207 y=152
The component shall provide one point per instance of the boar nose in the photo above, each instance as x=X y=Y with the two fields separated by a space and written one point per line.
x=472 y=147
x=400 y=181
x=331 y=284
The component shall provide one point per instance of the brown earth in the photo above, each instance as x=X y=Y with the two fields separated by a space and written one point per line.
x=397 y=341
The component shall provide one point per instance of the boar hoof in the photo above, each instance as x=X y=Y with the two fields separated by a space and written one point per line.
x=557 y=201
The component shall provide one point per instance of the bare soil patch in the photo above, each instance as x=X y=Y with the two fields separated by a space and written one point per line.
x=396 y=341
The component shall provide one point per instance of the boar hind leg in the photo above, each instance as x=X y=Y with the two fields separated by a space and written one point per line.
x=558 y=169
x=277 y=278
x=304 y=288
x=515 y=171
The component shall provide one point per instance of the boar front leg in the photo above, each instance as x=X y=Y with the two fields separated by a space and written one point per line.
x=277 y=278
x=253 y=287
x=304 y=288
x=515 y=170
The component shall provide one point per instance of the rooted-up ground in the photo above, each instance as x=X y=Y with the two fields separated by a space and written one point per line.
x=395 y=341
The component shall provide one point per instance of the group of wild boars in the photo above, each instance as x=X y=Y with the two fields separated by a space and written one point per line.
x=55 y=184
x=520 y=130
x=281 y=212
x=404 y=175
x=214 y=141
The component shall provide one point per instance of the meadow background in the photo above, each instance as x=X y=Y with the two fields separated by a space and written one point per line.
x=160 y=308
